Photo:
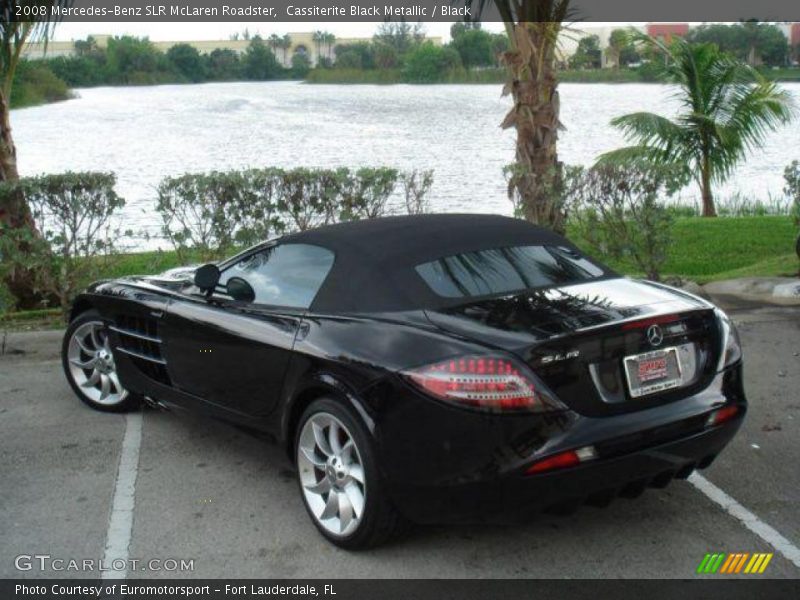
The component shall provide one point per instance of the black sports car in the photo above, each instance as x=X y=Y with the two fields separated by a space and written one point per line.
x=432 y=368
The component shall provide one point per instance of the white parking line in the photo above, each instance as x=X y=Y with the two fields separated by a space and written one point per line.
x=120 y=525
x=748 y=519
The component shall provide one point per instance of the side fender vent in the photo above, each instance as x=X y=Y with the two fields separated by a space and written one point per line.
x=139 y=339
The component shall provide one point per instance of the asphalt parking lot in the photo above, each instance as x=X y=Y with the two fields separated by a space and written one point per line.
x=211 y=493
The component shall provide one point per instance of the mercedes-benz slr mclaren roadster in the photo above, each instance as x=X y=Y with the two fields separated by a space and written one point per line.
x=440 y=368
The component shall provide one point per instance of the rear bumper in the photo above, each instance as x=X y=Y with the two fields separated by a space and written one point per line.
x=517 y=497
x=458 y=466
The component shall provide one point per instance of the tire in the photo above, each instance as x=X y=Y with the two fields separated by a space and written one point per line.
x=89 y=365
x=330 y=480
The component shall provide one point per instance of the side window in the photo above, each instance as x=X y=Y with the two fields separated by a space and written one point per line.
x=284 y=275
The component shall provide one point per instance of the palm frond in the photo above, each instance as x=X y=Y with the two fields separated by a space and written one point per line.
x=665 y=137
x=14 y=34
x=628 y=155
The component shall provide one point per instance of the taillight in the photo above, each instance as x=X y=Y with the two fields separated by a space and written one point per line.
x=484 y=382
x=718 y=417
x=562 y=460
x=732 y=346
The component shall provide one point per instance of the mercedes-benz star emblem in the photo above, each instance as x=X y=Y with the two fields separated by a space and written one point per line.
x=654 y=335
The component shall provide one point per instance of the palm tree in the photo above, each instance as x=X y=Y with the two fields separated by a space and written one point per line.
x=286 y=43
x=15 y=212
x=318 y=38
x=617 y=42
x=727 y=110
x=330 y=40
x=533 y=28
x=274 y=42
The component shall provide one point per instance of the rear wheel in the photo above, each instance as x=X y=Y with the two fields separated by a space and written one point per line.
x=90 y=368
x=339 y=479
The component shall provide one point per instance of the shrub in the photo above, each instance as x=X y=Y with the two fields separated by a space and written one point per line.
x=35 y=83
x=365 y=195
x=309 y=196
x=257 y=207
x=616 y=211
x=212 y=213
x=428 y=63
x=301 y=65
x=416 y=185
x=791 y=175
x=72 y=213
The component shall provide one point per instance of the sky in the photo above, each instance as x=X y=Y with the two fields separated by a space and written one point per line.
x=223 y=31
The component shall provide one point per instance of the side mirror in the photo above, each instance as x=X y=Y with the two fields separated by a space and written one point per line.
x=238 y=289
x=207 y=277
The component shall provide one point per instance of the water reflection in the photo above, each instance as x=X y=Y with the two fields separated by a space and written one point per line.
x=146 y=133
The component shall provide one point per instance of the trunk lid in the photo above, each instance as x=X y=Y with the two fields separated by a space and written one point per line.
x=576 y=338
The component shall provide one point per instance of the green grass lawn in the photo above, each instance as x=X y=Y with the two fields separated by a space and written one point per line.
x=702 y=250
x=725 y=248
x=706 y=250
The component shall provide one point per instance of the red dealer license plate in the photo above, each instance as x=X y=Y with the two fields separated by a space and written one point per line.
x=653 y=372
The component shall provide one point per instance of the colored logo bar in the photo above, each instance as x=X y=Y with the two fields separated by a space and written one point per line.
x=734 y=563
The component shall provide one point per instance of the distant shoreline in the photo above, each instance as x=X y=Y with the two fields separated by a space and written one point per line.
x=498 y=76
x=48 y=90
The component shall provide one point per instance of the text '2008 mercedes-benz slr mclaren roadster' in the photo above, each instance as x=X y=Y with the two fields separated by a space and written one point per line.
x=438 y=368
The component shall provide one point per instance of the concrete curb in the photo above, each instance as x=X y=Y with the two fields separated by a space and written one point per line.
x=779 y=291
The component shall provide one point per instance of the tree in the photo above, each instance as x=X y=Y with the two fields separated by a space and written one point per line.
x=132 y=60
x=355 y=56
x=427 y=63
x=14 y=210
x=259 y=61
x=620 y=50
x=274 y=42
x=188 y=62
x=771 y=45
x=751 y=41
x=728 y=108
x=399 y=36
x=85 y=47
x=329 y=40
x=286 y=43
x=726 y=37
x=223 y=64
x=317 y=37
x=301 y=65
x=533 y=27
x=473 y=45
x=386 y=57
x=500 y=45
x=588 y=53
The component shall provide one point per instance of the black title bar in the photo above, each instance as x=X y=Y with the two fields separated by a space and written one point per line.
x=410 y=10
x=397 y=589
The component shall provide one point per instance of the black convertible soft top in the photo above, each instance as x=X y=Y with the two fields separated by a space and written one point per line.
x=374 y=266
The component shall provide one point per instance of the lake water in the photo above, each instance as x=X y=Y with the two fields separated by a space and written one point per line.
x=146 y=133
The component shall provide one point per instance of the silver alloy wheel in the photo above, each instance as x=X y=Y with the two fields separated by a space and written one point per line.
x=331 y=474
x=91 y=364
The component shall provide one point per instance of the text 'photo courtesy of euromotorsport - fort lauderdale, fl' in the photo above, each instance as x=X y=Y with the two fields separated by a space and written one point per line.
x=330 y=299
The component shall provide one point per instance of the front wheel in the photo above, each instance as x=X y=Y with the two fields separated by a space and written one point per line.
x=89 y=365
x=339 y=479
